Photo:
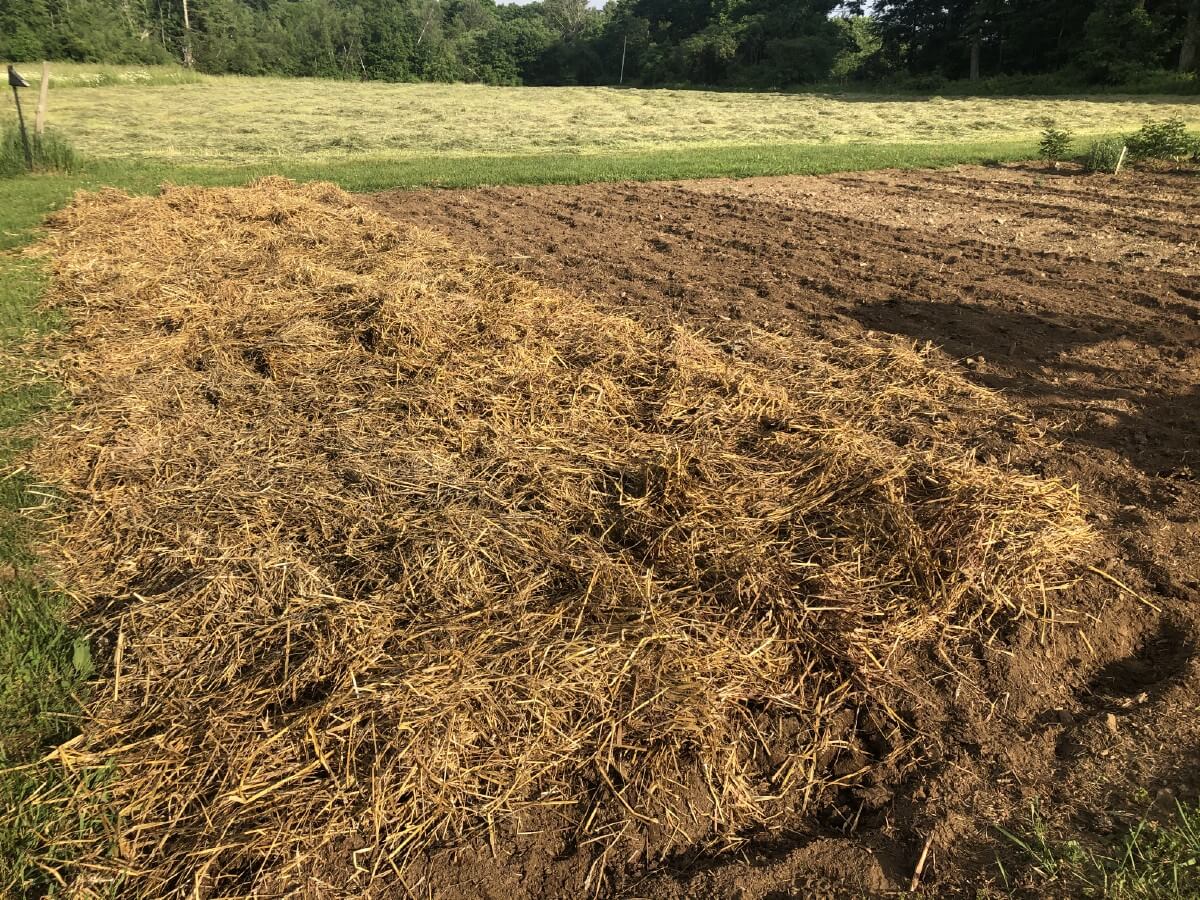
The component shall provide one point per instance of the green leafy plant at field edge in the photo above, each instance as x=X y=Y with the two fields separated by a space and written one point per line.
x=51 y=153
x=1103 y=155
x=1055 y=145
x=1159 y=860
x=1169 y=140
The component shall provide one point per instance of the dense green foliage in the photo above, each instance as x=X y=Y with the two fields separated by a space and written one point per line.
x=1096 y=41
x=918 y=44
x=1055 y=145
x=1168 y=140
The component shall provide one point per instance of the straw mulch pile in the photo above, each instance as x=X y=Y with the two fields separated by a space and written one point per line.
x=383 y=547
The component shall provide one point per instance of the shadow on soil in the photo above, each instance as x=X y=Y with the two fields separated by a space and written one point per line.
x=1031 y=355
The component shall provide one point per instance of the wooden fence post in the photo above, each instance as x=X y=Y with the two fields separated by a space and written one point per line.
x=39 y=119
x=1121 y=161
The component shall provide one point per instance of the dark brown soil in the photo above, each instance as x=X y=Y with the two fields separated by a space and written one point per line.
x=1078 y=296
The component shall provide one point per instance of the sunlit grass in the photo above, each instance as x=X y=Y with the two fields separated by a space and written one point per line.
x=43 y=662
x=233 y=119
x=1156 y=859
x=94 y=75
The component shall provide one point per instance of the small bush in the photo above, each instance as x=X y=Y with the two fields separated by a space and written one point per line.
x=51 y=153
x=1103 y=155
x=1164 y=140
x=1055 y=145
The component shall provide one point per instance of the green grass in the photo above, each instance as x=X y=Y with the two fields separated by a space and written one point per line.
x=49 y=152
x=1103 y=155
x=94 y=75
x=43 y=663
x=242 y=120
x=1157 y=859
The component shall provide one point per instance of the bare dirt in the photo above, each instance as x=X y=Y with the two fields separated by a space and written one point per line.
x=1079 y=297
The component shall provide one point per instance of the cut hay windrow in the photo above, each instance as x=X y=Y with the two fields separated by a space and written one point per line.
x=382 y=547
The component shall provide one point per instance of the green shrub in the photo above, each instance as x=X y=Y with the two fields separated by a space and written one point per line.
x=1068 y=81
x=1103 y=155
x=1055 y=145
x=51 y=153
x=1164 y=140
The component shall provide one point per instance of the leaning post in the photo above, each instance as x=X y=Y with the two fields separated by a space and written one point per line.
x=16 y=82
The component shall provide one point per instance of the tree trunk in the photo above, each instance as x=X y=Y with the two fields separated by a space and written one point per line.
x=975 y=22
x=1191 y=38
x=187 y=37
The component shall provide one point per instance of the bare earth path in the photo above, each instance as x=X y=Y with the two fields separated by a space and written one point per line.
x=1079 y=296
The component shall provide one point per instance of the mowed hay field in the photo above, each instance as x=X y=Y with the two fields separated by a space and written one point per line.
x=163 y=115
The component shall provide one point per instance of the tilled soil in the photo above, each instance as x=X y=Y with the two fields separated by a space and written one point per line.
x=1079 y=297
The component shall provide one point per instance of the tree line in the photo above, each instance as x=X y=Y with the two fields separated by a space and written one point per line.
x=736 y=43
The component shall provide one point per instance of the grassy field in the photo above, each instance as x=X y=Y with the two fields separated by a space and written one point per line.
x=25 y=201
x=92 y=75
x=168 y=115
